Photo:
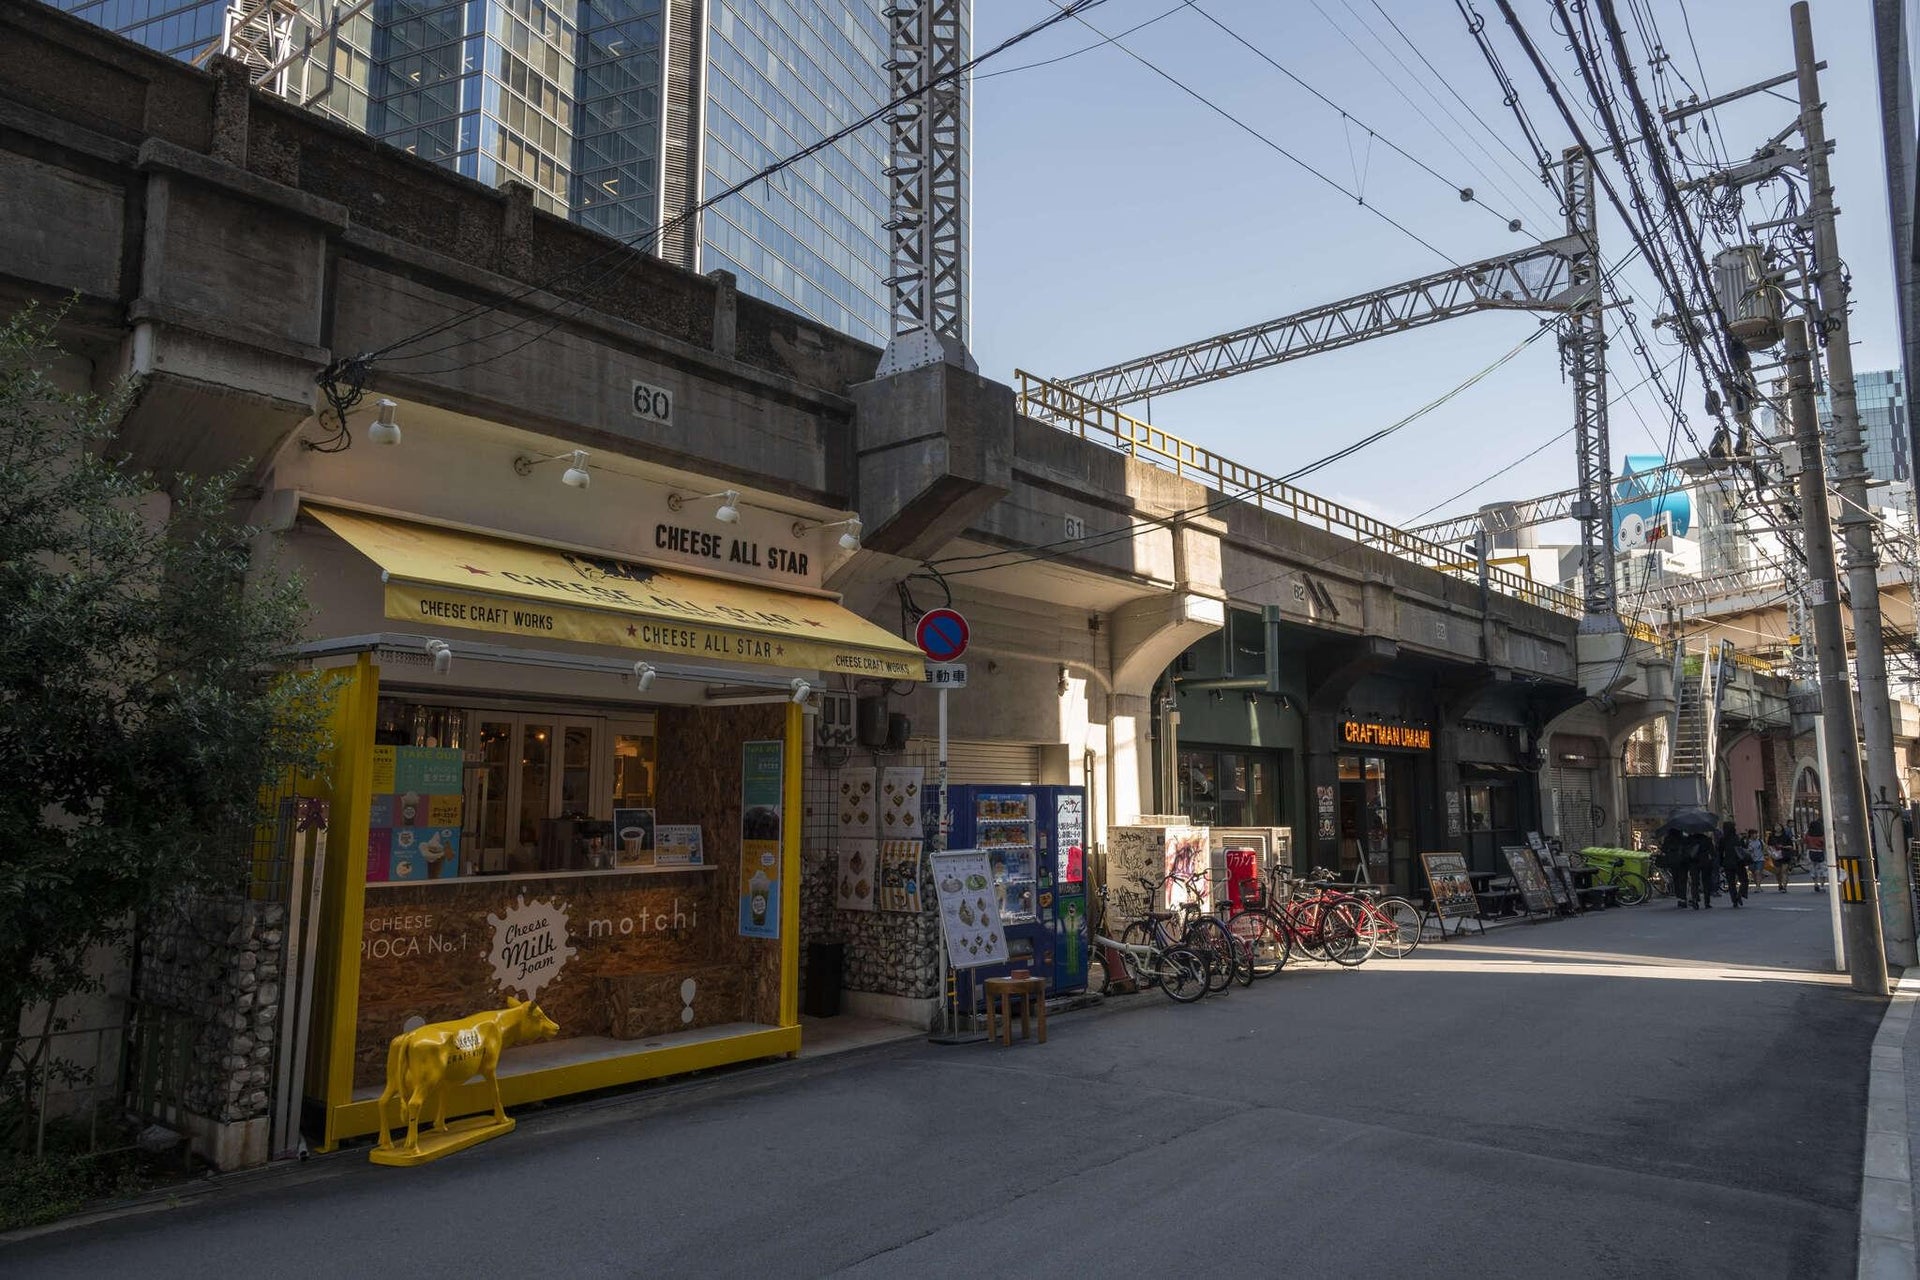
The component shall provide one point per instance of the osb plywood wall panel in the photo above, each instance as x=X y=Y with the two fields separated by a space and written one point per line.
x=429 y=951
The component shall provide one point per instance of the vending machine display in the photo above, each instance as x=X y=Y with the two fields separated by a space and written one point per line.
x=1035 y=842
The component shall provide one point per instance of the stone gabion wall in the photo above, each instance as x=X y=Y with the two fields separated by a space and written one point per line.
x=219 y=963
x=892 y=953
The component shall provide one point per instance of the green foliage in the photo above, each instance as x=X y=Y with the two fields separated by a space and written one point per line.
x=141 y=711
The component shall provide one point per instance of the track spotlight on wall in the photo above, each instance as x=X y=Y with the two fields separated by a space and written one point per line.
x=576 y=476
x=643 y=674
x=442 y=654
x=849 y=541
x=383 y=429
x=728 y=512
x=801 y=689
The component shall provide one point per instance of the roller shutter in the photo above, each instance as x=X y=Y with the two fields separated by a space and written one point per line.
x=980 y=763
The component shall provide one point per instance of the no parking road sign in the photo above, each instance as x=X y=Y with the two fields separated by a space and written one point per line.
x=941 y=635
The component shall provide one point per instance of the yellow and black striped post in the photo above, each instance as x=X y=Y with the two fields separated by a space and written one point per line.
x=1852 y=880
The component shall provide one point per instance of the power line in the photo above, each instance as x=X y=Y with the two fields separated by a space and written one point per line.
x=1087 y=48
x=1464 y=190
x=1238 y=123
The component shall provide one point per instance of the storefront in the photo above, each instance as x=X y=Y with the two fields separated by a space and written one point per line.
x=1379 y=769
x=566 y=776
x=1499 y=792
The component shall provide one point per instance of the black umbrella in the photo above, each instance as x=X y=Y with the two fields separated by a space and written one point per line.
x=1690 y=822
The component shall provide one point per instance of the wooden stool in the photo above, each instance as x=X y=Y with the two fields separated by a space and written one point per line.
x=1001 y=992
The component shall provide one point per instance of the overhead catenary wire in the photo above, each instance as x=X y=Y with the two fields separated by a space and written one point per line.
x=1265 y=140
x=1345 y=114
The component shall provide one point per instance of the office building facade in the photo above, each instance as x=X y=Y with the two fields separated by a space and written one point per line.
x=622 y=115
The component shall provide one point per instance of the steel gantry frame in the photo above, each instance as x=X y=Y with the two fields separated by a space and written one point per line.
x=927 y=177
x=1510 y=517
x=1534 y=279
x=1561 y=275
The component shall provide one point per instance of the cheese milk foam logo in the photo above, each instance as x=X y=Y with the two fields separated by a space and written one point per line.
x=529 y=945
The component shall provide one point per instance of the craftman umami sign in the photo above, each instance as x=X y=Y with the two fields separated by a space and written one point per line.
x=1362 y=733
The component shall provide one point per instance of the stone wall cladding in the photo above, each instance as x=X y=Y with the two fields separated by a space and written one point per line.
x=219 y=962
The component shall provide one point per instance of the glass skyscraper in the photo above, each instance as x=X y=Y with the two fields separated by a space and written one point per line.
x=620 y=114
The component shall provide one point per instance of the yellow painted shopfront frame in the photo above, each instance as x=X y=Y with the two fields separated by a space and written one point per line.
x=337 y=1006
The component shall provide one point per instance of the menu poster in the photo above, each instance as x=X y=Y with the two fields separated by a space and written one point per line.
x=853 y=890
x=761 y=779
x=900 y=875
x=633 y=837
x=1453 y=895
x=859 y=808
x=969 y=920
x=677 y=845
x=900 y=802
x=1454 y=821
x=1528 y=878
x=1070 y=823
x=414 y=823
x=1324 y=800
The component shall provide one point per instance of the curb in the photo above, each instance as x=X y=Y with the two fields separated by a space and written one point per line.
x=1886 y=1173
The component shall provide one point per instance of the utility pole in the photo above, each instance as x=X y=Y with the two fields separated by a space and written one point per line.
x=1884 y=859
x=1846 y=818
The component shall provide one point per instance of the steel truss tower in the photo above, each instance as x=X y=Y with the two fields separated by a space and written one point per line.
x=929 y=185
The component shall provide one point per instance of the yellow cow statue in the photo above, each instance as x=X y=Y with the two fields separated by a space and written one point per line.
x=432 y=1061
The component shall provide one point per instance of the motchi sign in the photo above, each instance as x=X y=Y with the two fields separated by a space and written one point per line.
x=1364 y=733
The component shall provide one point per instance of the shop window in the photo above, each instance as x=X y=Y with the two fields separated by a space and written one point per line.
x=1231 y=788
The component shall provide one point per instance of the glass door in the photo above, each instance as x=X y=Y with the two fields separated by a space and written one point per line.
x=577 y=762
x=533 y=806
x=489 y=784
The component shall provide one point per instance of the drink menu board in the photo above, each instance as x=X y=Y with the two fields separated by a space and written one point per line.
x=413 y=825
x=1528 y=878
x=1453 y=896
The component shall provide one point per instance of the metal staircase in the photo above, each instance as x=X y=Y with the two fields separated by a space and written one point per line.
x=1696 y=713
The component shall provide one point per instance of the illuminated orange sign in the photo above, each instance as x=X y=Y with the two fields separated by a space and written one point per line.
x=1360 y=733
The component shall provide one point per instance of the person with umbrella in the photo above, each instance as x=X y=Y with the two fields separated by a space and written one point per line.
x=1688 y=845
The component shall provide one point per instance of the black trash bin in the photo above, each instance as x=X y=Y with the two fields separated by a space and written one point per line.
x=821 y=996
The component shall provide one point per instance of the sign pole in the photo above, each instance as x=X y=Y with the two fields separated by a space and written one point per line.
x=950 y=999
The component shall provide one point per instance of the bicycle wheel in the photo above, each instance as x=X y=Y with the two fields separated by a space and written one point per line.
x=1263 y=941
x=1632 y=887
x=1183 y=974
x=1140 y=934
x=1302 y=922
x=1210 y=938
x=1345 y=934
x=1396 y=927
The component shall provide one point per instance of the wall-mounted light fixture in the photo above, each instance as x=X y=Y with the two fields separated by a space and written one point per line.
x=801 y=689
x=727 y=513
x=643 y=676
x=575 y=476
x=442 y=654
x=849 y=541
x=383 y=429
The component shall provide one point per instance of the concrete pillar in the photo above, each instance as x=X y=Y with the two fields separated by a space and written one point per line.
x=1129 y=734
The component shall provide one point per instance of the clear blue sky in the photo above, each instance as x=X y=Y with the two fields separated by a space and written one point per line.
x=1114 y=216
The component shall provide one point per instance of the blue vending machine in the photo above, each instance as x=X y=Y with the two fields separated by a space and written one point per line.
x=1035 y=841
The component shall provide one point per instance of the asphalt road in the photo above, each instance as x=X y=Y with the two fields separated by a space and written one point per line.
x=1644 y=1093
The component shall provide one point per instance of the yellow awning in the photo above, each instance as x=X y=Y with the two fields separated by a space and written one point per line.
x=443 y=578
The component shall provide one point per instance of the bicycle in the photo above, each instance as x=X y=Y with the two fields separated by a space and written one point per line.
x=1633 y=886
x=1181 y=972
x=1396 y=924
x=1203 y=931
x=1326 y=925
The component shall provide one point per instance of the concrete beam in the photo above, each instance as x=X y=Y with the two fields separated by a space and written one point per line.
x=933 y=449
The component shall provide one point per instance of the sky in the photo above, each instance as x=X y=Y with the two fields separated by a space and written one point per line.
x=1114 y=216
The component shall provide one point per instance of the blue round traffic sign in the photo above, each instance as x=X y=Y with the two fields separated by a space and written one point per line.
x=941 y=635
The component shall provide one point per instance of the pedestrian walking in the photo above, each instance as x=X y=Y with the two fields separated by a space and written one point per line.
x=1782 y=855
x=1705 y=871
x=1817 y=854
x=1677 y=860
x=1756 y=857
x=1732 y=851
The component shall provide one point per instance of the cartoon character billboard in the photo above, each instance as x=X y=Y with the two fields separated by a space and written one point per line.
x=1641 y=512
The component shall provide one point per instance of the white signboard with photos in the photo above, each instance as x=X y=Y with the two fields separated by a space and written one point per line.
x=969 y=917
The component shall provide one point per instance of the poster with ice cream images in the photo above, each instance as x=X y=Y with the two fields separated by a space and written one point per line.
x=853 y=891
x=900 y=875
x=414 y=822
x=969 y=919
x=900 y=802
x=859 y=807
